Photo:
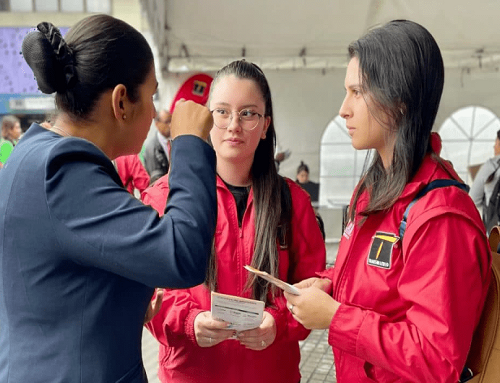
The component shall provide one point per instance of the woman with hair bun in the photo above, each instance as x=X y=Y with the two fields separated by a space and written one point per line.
x=81 y=256
x=400 y=305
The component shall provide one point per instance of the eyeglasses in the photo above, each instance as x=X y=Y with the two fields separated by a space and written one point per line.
x=248 y=119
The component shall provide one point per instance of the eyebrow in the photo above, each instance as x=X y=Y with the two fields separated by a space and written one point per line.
x=353 y=86
x=243 y=107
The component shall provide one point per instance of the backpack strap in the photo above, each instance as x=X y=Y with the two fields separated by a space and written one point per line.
x=440 y=183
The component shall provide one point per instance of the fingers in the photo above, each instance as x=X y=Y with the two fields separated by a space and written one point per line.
x=257 y=342
x=323 y=284
x=154 y=306
x=211 y=339
x=210 y=332
x=306 y=283
x=261 y=337
x=191 y=118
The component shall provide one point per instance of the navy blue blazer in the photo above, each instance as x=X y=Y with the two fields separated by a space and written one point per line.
x=80 y=256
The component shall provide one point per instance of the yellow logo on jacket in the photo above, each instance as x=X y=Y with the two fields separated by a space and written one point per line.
x=381 y=250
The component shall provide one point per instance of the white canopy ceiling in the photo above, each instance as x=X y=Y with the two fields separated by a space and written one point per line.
x=201 y=35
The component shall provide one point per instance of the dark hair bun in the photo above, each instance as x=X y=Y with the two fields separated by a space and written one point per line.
x=50 y=58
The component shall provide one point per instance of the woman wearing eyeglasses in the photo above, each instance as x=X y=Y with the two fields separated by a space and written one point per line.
x=264 y=221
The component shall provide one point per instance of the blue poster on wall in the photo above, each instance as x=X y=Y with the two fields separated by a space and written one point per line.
x=17 y=81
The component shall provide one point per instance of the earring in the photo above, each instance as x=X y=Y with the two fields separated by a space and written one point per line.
x=124 y=116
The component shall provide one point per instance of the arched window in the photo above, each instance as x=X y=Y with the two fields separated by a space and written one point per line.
x=468 y=137
x=340 y=165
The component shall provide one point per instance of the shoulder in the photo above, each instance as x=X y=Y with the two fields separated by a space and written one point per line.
x=299 y=196
x=490 y=165
x=295 y=189
x=446 y=203
x=73 y=151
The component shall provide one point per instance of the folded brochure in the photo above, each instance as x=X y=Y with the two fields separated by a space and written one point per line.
x=278 y=282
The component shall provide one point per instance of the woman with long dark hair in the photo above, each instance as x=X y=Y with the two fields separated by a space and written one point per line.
x=264 y=221
x=80 y=256
x=400 y=305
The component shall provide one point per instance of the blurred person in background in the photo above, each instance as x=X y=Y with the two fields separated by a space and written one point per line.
x=157 y=149
x=11 y=132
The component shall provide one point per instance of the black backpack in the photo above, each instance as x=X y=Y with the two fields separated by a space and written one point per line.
x=491 y=212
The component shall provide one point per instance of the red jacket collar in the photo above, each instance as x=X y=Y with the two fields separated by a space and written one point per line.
x=429 y=170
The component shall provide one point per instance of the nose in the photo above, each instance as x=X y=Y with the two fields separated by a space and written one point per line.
x=344 y=110
x=234 y=121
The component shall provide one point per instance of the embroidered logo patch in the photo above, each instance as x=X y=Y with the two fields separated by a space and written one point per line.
x=199 y=87
x=381 y=250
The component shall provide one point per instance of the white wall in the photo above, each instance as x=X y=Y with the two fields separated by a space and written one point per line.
x=305 y=101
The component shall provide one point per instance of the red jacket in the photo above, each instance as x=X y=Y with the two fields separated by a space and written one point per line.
x=132 y=173
x=181 y=359
x=408 y=310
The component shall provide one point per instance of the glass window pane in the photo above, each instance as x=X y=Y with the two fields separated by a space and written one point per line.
x=450 y=130
x=468 y=138
x=72 y=5
x=46 y=6
x=340 y=165
x=99 y=6
x=489 y=130
x=336 y=131
x=481 y=151
x=21 y=6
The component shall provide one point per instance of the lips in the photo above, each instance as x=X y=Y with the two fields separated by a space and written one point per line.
x=351 y=130
x=233 y=141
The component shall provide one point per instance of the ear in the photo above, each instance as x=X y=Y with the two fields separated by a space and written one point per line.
x=267 y=121
x=118 y=101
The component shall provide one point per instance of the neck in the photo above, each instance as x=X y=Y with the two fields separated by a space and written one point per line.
x=387 y=152
x=98 y=134
x=235 y=174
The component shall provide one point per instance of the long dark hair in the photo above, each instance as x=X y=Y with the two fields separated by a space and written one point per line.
x=97 y=54
x=402 y=71
x=272 y=207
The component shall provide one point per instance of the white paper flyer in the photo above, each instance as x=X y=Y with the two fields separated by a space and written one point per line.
x=241 y=313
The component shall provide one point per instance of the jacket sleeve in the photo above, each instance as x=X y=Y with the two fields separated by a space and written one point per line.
x=140 y=178
x=99 y=224
x=175 y=320
x=477 y=189
x=444 y=284
x=306 y=256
